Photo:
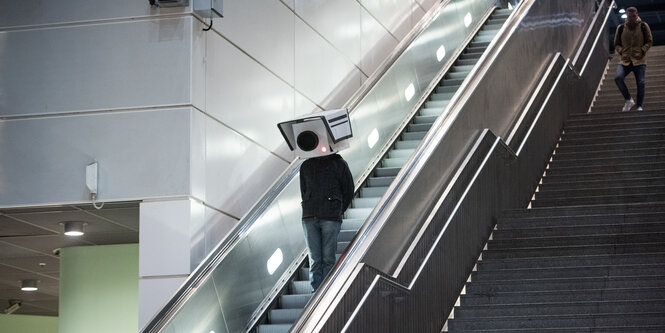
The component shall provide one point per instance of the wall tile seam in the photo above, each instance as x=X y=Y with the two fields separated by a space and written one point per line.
x=190 y=197
x=246 y=53
x=241 y=134
x=95 y=112
x=82 y=23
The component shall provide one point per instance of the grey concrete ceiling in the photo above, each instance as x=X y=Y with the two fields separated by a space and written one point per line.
x=29 y=236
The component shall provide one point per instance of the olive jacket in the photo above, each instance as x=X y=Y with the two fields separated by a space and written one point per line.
x=632 y=43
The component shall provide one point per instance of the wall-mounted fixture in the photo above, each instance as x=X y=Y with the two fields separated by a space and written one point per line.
x=14 y=304
x=73 y=228
x=29 y=285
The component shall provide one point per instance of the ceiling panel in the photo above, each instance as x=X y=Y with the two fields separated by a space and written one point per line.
x=11 y=227
x=7 y=250
x=46 y=244
x=52 y=220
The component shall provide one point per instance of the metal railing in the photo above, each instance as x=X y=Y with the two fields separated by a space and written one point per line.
x=403 y=287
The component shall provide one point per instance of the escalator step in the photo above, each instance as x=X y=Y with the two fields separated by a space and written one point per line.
x=294 y=301
x=403 y=153
x=284 y=316
x=365 y=202
x=405 y=145
x=352 y=224
x=457 y=75
x=409 y=136
x=446 y=89
x=357 y=213
x=278 y=328
x=341 y=247
x=416 y=128
x=346 y=236
x=373 y=192
x=397 y=162
x=434 y=109
x=465 y=62
x=388 y=171
x=418 y=120
x=301 y=287
x=441 y=96
x=381 y=181
x=452 y=82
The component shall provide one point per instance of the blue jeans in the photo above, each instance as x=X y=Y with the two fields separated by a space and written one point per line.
x=640 y=77
x=321 y=239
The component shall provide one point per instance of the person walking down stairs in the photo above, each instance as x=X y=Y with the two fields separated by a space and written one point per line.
x=631 y=42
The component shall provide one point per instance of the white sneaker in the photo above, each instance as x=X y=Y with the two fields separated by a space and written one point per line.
x=639 y=108
x=628 y=105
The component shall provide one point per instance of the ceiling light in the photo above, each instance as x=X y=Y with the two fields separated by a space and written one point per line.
x=29 y=285
x=73 y=228
x=622 y=10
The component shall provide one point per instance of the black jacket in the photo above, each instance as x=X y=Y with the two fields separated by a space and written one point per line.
x=326 y=187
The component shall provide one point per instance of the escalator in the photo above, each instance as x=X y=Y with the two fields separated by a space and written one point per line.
x=231 y=290
x=290 y=304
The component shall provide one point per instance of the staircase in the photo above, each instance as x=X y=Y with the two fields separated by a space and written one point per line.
x=292 y=302
x=589 y=256
x=609 y=98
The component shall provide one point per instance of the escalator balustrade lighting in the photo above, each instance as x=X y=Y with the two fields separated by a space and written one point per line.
x=440 y=53
x=373 y=138
x=409 y=92
x=275 y=260
x=467 y=20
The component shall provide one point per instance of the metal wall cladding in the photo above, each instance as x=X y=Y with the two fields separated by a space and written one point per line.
x=140 y=154
x=89 y=67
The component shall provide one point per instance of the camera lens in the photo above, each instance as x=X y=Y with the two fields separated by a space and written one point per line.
x=307 y=140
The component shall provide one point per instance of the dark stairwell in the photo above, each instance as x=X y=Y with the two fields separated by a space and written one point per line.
x=589 y=254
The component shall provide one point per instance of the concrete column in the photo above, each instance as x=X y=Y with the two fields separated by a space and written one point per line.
x=170 y=239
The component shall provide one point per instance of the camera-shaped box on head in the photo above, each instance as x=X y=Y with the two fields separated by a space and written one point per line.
x=318 y=134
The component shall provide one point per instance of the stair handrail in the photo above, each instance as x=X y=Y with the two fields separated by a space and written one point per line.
x=352 y=265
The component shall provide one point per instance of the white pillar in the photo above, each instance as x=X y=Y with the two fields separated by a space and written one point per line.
x=169 y=238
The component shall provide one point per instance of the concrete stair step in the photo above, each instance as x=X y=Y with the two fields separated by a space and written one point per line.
x=560 y=308
x=595 y=118
x=610 y=146
x=597 y=200
x=580 y=229
x=615 y=125
x=599 y=154
x=566 y=284
x=606 y=176
x=530 y=222
x=610 y=209
x=616 y=160
x=575 y=240
x=643 y=137
x=571 y=261
x=601 y=184
x=632 y=130
x=611 y=189
x=648 y=106
x=576 y=322
x=600 y=249
x=605 y=294
x=597 y=169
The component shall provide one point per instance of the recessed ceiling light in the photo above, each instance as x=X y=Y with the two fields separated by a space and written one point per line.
x=29 y=285
x=73 y=228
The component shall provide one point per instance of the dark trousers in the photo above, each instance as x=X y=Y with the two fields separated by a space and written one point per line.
x=640 y=77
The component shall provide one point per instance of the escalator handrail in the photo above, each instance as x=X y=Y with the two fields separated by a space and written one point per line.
x=328 y=293
x=355 y=265
x=208 y=264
